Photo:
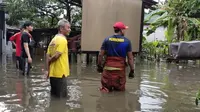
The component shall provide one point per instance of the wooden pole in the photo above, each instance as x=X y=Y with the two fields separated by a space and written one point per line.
x=97 y=55
x=88 y=58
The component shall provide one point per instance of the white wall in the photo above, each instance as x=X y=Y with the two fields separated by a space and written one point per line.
x=6 y=48
x=159 y=34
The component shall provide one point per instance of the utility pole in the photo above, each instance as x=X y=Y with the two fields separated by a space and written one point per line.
x=2 y=25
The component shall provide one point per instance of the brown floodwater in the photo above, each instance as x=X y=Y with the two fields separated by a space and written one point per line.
x=157 y=87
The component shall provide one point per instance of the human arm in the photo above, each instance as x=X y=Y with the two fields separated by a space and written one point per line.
x=130 y=56
x=26 y=47
x=47 y=65
x=47 y=59
x=131 y=64
x=25 y=40
x=130 y=60
x=55 y=57
x=61 y=48
x=100 y=57
x=48 y=55
x=12 y=39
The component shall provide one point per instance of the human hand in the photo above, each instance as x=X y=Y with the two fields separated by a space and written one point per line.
x=46 y=74
x=49 y=60
x=99 y=69
x=29 y=60
x=131 y=74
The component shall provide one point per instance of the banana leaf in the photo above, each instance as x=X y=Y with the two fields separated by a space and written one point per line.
x=151 y=29
x=193 y=21
x=186 y=36
x=153 y=13
x=160 y=18
x=159 y=21
x=169 y=33
x=197 y=97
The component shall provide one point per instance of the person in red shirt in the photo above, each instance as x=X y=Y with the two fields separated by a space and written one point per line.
x=16 y=40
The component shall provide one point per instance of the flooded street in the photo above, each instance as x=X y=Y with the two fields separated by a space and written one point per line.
x=157 y=87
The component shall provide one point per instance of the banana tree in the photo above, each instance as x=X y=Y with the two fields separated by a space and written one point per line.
x=175 y=16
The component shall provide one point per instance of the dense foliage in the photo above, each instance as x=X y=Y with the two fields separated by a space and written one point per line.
x=44 y=13
x=179 y=19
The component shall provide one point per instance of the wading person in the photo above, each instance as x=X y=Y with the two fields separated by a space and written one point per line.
x=116 y=48
x=57 y=60
x=16 y=40
x=26 y=45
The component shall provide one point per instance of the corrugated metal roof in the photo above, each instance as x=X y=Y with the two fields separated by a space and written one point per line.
x=12 y=27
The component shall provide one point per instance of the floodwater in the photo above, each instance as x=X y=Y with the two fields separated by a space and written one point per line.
x=157 y=87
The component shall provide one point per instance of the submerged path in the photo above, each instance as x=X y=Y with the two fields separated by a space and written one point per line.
x=157 y=88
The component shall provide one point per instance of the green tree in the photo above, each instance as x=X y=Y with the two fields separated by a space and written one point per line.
x=76 y=16
x=17 y=10
x=43 y=13
x=46 y=12
x=177 y=17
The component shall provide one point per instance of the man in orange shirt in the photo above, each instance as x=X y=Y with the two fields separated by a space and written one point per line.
x=16 y=40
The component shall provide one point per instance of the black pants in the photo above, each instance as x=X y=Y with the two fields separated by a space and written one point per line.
x=25 y=66
x=19 y=63
x=58 y=87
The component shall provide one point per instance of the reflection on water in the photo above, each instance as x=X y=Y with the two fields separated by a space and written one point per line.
x=157 y=87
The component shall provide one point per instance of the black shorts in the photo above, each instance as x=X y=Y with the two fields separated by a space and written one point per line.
x=58 y=87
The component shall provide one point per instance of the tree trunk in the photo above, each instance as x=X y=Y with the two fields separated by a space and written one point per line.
x=68 y=11
x=178 y=32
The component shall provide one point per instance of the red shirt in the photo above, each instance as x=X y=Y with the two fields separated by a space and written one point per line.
x=17 y=39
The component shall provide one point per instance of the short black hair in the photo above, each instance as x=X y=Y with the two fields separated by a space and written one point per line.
x=27 y=23
x=117 y=30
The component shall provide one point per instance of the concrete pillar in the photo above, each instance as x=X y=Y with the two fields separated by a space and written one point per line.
x=73 y=57
x=94 y=60
x=79 y=65
x=83 y=58
x=79 y=59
